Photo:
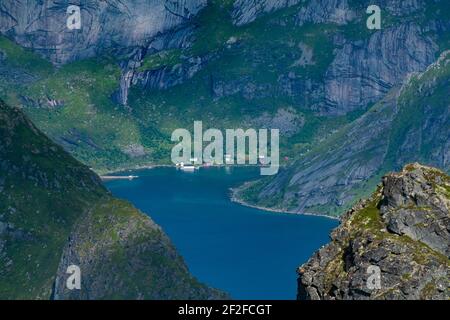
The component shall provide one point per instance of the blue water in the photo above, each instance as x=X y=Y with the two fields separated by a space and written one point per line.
x=249 y=253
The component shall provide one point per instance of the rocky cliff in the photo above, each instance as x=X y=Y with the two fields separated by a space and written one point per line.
x=402 y=232
x=54 y=213
x=105 y=25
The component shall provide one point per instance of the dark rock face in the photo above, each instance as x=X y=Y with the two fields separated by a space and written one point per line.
x=165 y=76
x=129 y=28
x=362 y=71
x=402 y=231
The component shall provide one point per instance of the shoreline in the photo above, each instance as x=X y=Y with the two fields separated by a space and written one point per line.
x=102 y=173
x=109 y=176
x=233 y=198
x=155 y=166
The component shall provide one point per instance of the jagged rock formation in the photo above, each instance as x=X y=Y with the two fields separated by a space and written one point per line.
x=54 y=212
x=403 y=230
x=165 y=76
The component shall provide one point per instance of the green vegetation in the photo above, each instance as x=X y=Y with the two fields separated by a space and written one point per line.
x=166 y=58
x=84 y=118
x=33 y=252
x=424 y=97
x=47 y=198
x=24 y=59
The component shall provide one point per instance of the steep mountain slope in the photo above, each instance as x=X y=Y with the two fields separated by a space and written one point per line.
x=306 y=67
x=402 y=231
x=54 y=212
x=412 y=123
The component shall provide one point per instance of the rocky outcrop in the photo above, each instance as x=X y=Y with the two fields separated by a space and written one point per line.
x=245 y=86
x=391 y=246
x=132 y=29
x=112 y=24
x=287 y=119
x=134 y=150
x=169 y=76
x=406 y=7
x=416 y=204
x=363 y=70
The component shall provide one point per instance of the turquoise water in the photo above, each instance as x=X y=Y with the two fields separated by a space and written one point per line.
x=249 y=253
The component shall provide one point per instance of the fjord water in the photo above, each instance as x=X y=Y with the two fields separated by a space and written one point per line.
x=249 y=253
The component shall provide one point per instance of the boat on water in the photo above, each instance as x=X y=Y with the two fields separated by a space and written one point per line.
x=186 y=167
x=119 y=177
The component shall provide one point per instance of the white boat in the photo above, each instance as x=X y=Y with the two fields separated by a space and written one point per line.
x=188 y=168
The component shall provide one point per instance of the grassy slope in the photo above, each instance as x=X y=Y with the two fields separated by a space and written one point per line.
x=45 y=195
x=84 y=89
x=41 y=197
x=265 y=50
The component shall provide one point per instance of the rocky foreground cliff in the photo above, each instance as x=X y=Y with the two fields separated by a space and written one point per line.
x=55 y=213
x=402 y=232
